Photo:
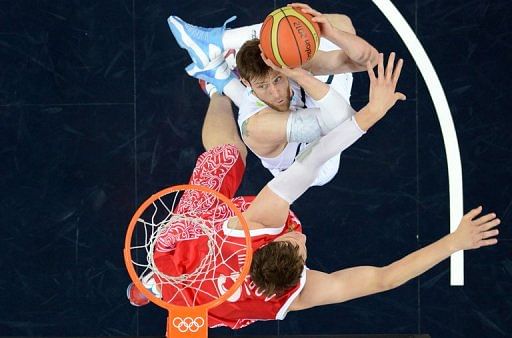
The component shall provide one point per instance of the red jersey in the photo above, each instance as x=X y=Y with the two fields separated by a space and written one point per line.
x=184 y=247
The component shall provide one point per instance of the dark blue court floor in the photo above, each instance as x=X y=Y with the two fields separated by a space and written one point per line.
x=96 y=114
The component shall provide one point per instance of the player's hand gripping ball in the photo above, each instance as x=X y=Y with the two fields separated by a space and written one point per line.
x=289 y=38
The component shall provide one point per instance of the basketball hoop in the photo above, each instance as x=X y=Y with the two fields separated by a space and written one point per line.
x=187 y=285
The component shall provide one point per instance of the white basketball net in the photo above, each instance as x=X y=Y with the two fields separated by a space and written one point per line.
x=173 y=233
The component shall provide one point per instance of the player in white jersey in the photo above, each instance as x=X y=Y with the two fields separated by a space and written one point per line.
x=278 y=112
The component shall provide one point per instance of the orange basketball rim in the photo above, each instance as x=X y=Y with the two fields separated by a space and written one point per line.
x=189 y=320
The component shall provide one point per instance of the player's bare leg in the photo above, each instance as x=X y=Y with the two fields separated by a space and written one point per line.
x=219 y=125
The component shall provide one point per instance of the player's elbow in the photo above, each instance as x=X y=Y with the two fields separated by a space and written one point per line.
x=375 y=280
x=367 y=54
x=372 y=55
x=388 y=279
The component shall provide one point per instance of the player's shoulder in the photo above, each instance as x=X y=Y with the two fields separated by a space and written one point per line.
x=250 y=100
x=249 y=106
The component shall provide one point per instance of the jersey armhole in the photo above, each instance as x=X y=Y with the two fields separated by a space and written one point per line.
x=283 y=311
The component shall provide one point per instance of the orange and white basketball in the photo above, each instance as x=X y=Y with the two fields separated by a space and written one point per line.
x=288 y=37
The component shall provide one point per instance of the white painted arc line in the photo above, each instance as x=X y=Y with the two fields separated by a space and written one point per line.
x=445 y=120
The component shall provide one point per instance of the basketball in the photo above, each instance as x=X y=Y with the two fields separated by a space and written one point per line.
x=288 y=37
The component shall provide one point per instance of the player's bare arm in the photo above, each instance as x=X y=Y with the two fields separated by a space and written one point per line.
x=265 y=132
x=322 y=288
x=354 y=54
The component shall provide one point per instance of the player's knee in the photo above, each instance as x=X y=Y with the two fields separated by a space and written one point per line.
x=242 y=149
x=342 y=22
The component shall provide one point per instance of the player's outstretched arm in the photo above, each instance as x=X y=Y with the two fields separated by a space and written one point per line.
x=473 y=232
x=321 y=288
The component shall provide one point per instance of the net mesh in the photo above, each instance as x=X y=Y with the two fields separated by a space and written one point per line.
x=180 y=250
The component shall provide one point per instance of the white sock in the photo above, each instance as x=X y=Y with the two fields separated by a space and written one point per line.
x=210 y=89
x=235 y=37
x=235 y=90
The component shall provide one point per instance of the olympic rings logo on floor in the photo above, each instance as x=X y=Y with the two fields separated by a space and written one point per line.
x=188 y=324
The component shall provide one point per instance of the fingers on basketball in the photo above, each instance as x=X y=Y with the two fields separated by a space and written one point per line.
x=289 y=37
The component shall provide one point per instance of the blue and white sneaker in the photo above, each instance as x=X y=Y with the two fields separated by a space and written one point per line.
x=217 y=72
x=202 y=44
x=230 y=58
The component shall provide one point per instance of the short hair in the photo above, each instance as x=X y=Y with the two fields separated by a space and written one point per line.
x=276 y=267
x=249 y=62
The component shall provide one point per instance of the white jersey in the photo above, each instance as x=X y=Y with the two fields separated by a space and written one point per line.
x=252 y=105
